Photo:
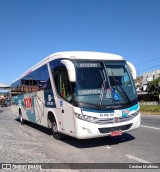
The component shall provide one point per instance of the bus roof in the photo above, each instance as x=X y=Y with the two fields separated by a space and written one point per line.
x=86 y=55
x=81 y=55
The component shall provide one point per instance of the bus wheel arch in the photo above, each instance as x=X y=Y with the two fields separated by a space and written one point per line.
x=52 y=124
x=21 y=117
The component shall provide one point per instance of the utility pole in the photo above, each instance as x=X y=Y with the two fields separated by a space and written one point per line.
x=159 y=92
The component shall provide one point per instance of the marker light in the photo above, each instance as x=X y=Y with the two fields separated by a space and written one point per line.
x=135 y=113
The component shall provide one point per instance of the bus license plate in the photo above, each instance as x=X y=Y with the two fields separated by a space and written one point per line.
x=116 y=133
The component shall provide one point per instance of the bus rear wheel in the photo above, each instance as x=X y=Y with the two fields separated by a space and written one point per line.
x=55 y=131
x=21 y=117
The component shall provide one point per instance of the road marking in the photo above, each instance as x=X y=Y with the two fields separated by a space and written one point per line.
x=137 y=159
x=150 y=127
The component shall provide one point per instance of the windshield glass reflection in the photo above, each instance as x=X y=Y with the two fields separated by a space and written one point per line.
x=104 y=83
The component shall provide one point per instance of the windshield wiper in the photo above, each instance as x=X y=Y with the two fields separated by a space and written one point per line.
x=126 y=96
x=102 y=89
x=106 y=78
x=122 y=89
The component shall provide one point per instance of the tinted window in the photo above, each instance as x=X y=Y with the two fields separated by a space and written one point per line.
x=62 y=82
x=35 y=81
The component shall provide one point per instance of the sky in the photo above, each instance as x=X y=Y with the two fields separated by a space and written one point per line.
x=30 y=30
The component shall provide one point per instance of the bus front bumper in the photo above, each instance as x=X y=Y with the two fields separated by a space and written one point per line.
x=86 y=130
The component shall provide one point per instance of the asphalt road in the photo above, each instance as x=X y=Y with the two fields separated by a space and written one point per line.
x=31 y=143
x=151 y=120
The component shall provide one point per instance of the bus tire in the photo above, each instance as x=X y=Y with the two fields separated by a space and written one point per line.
x=21 y=117
x=56 y=134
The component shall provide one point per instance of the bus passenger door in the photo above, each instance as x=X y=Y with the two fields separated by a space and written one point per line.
x=65 y=105
x=68 y=125
x=62 y=85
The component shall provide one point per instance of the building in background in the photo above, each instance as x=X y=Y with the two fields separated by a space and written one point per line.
x=5 y=98
x=148 y=77
x=4 y=86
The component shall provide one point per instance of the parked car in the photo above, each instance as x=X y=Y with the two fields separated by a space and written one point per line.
x=139 y=89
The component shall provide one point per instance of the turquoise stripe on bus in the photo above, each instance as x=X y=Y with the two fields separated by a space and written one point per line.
x=124 y=111
x=127 y=110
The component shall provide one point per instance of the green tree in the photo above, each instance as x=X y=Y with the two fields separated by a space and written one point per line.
x=154 y=87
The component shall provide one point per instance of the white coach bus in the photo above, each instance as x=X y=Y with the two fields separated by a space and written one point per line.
x=80 y=94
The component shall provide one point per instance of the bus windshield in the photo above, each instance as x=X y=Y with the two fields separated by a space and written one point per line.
x=104 y=84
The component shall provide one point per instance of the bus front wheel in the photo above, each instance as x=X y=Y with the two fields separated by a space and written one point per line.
x=55 y=131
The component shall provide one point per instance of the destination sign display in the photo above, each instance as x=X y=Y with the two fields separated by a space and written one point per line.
x=88 y=65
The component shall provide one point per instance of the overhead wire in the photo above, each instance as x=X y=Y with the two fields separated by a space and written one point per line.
x=148 y=65
x=149 y=61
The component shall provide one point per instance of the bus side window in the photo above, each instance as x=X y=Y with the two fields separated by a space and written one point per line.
x=56 y=80
x=65 y=90
x=62 y=83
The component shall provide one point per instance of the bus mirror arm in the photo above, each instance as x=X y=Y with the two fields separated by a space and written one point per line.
x=70 y=69
x=132 y=69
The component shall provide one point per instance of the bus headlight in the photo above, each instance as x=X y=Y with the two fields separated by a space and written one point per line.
x=135 y=113
x=86 y=118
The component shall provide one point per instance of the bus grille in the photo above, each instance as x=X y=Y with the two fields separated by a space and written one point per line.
x=108 y=130
x=112 y=120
